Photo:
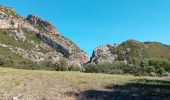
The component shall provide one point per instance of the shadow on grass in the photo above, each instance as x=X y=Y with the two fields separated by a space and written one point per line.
x=137 y=90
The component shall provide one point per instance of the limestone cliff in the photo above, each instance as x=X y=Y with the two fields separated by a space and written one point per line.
x=103 y=54
x=36 y=39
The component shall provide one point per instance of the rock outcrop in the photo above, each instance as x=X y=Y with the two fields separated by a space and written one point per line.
x=32 y=31
x=42 y=24
x=36 y=56
x=103 y=54
x=79 y=58
x=7 y=21
x=130 y=51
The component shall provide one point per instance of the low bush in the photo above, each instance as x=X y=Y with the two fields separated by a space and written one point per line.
x=151 y=69
x=74 y=68
x=61 y=65
x=110 y=68
x=2 y=62
x=161 y=71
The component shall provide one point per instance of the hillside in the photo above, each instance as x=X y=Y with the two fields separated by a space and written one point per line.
x=130 y=49
x=131 y=57
x=25 y=42
x=52 y=85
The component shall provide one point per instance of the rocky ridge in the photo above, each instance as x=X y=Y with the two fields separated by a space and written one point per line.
x=37 y=33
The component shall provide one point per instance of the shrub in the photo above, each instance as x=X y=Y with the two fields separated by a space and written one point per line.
x=91 y=68
x=98 y=68
x=166 y=65
x=110 y=68
x=139 y=71
x=129 y=69
x=39 y=66
x=21 y=64
x=117 y=71
x=144 y=63
x=135 y=66
x=151 y=69
x=74 y=68
x=161 y=70
x=2 y=62
x=62 y=65
x=157 y=63
x=104 y=68
x=119 y=64
x=118 y=67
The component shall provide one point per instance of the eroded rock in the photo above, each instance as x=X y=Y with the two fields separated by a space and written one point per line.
x=42 y=23
x=103 y=54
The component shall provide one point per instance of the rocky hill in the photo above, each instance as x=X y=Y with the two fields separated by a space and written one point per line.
x=33 y=39
x=130 y=50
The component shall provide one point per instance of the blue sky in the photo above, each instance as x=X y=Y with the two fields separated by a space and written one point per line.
x=91 y=23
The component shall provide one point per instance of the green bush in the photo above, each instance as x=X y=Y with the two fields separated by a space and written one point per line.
x=118 y=67
x=158 y=63
x=40 y=66
x=129 y=69
x=62 y=65
x=161 y=70
x=98 y=68
x=110 y=68
x=74 y=68
x=91 y=68
x=144 y=63
x=151 y=69
x=166 y=65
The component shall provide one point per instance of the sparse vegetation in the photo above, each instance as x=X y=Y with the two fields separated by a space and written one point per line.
x=9 y=11
x=6 y=39
x=35 y=85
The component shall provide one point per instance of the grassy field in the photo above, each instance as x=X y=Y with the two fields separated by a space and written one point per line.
x=51 y=85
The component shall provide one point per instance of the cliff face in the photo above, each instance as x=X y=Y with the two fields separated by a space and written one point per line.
x=42 y=24
x=36 y=39
x=130 y=51
x=103 y=54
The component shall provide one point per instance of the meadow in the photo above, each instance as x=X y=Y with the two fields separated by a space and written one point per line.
x=56 y=85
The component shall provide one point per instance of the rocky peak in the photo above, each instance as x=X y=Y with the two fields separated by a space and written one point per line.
x=42 y=24
x=103 y=54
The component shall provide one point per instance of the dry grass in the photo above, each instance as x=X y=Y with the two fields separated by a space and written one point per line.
x=51 y=85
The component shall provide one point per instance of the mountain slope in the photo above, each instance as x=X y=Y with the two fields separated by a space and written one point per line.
x=130 y=49
x=33 y=39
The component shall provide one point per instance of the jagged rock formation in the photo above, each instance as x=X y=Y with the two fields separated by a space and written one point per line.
x=36 y=39
x=103 y=54
x=129 y=51
x=43 y=24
